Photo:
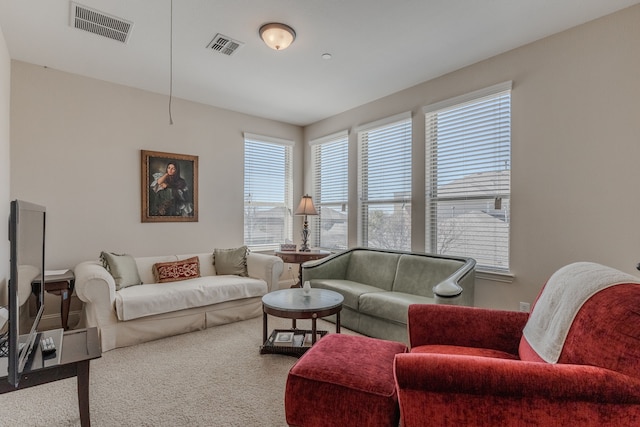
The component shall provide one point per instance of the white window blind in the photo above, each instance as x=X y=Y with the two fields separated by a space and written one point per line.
x=330 y=159
x=468 y=149
x=384 y=184
x=268 y=198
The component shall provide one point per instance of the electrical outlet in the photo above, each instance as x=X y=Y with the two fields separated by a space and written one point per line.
x=525 y=307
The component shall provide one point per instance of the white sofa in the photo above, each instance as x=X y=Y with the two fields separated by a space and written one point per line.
x=150 y=311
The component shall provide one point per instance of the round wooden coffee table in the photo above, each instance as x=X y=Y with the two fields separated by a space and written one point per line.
x=294 y=304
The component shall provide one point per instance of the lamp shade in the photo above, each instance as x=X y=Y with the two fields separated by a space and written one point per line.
x=306 y=206
x=277 y=36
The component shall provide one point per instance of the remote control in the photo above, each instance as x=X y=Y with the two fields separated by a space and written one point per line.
x=47 y=346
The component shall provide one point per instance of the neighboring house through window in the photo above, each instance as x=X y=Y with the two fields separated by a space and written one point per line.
x=330 y=162
x=384 y=183
x=468 y=169
x=268 y=198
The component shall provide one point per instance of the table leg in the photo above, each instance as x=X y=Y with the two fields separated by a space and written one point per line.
x=313 y=330
x=337 y=322
x=64 y=308
x=83 y=393
x=264 y=327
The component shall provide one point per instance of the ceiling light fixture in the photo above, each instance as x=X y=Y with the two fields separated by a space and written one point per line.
x=277 y=36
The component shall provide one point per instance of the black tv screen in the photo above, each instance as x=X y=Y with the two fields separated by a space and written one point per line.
x=27 y=262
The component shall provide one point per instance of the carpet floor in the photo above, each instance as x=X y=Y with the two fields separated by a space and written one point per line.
x=215 y=377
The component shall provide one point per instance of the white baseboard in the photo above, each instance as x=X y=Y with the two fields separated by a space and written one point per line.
x=53 y=321
x=286 y=284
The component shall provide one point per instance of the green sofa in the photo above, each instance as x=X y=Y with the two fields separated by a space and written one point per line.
x=379 y=285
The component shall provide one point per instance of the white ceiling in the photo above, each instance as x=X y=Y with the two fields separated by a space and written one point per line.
x=378 y=47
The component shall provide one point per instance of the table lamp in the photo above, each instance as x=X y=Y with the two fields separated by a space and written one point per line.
x=305 y=208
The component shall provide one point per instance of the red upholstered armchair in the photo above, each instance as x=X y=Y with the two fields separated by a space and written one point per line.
x=576 y=363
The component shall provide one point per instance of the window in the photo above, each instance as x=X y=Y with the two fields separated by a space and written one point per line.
x=384 y=183
x=268 y=198
x=330 y=160
x=468 y=168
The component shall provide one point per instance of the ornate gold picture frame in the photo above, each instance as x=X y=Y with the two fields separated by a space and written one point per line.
x=169 y=187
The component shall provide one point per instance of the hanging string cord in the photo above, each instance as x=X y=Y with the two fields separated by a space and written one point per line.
x=171 y=64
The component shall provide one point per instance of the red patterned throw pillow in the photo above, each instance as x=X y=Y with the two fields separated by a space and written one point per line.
x=176 y=270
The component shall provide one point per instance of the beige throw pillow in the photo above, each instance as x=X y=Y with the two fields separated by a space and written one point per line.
x=122 y=267
x=231 y=261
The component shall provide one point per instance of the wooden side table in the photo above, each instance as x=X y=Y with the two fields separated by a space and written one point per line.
x=58 y=284
x=299 y=257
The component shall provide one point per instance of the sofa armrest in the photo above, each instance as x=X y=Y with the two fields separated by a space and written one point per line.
x=512 y=380
x=453 y=286
x=265 y=267
x=96 y=288
x=447 y=289
x=331 y=267
x=450 y=325
x=94 y=283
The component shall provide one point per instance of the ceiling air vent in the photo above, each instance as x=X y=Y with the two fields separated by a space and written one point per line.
x=225 y=45
x=100 y=23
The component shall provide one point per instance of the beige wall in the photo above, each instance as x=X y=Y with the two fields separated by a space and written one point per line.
x=75 y=148
x=575 y=150
x=5 y=85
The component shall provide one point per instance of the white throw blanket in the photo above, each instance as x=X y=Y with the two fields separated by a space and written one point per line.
x=565 y=293
x=137 y=301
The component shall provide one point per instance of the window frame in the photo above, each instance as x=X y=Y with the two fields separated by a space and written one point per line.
x=287 y=188
x=404 y=198
x=335 y=144
x=499 y=198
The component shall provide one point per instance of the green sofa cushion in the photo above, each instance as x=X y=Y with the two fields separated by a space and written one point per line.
x=122 y=267
x=231 y=261
x=419 y=274
x=391 y=306
x=373 y=268
x=351 y=291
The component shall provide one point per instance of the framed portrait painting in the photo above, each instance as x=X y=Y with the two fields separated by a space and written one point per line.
x=169 y=187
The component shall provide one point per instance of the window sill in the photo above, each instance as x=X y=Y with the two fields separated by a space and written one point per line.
x=263 y=248
x=495 y=276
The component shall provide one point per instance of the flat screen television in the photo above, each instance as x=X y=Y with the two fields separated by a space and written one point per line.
x=27 y=262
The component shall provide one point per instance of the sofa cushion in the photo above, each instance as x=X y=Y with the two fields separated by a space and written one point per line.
x=373 y=268
x=391 y=306
x=351 y=291
x=418 y=274
x=177 y=270
x=155 y=298
x=231 y=261
x=122 y=267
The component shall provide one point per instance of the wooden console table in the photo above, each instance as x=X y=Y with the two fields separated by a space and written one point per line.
x=299 y=257
x=79 y=347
